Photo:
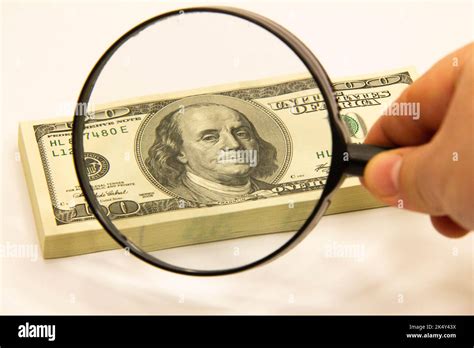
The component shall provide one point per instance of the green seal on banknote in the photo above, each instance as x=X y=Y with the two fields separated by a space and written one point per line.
x=351 y=124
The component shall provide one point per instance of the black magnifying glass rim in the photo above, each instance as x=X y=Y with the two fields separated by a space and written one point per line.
x=340 y=139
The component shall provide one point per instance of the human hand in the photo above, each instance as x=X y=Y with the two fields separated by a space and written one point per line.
x=432 y=168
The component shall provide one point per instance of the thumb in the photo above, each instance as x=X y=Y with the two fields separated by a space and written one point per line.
x=407 y=178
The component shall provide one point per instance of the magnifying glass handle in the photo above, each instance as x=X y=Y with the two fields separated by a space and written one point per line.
x=360 y=155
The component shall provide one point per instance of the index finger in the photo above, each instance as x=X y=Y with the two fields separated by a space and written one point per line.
x=433 y=92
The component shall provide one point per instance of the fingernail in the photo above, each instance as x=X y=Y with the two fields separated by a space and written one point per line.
x=384 y=174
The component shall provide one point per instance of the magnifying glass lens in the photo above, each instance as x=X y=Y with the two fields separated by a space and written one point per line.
x=206 y=143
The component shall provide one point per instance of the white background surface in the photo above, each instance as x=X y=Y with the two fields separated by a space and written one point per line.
x=48 y=48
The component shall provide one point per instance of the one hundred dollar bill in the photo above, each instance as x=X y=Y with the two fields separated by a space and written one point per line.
x=171 y=162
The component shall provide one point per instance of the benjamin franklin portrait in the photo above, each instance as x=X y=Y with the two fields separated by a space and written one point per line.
x=188 y=154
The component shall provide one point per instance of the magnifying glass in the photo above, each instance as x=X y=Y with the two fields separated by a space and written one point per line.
x=195 y=139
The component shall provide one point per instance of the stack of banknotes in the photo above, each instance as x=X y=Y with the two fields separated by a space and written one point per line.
x=146 y=189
